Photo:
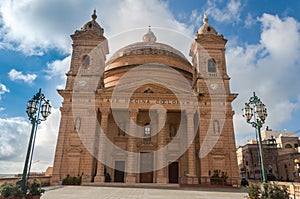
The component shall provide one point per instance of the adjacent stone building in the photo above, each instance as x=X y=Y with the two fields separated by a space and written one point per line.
x=281 y=157
x=146 y=115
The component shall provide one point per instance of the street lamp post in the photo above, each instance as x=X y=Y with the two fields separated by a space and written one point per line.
x=35 y=106
x=260 y=115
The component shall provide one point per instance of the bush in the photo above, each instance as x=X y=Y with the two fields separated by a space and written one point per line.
x=271 y=191
x=253 y=191
x=9 y=190
x=35 y=189
x=71 y=180
x=219 y=177
x=274 y=191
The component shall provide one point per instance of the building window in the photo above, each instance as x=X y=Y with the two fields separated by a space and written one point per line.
x=211 y=66
x=147 y=134
x=148 y=90
x=288 y=146
x=216 y=127
x=85 y=62
x=172 y=130
x=122 y=129
x=77 y=124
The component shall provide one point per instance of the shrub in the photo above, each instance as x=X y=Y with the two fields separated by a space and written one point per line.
x=271 y=191
x=253 y=191
x=9 y=190
x=71 y=180
x=219 y=177
x=274 y=191
x=35 y=189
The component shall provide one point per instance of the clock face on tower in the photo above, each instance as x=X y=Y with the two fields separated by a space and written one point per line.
x=213 y=86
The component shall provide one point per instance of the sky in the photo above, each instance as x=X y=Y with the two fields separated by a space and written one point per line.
x=262 y=55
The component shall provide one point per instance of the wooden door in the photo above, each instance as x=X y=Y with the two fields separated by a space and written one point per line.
x=173 y=172
x=119 y=171
x=146 y=167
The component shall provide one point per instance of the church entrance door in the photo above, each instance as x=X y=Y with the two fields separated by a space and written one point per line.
x=146 y=164
x=173 y=172
x=119 y=171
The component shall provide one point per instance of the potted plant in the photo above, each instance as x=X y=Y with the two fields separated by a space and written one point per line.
x=34 y=190
x=9 y=190
x=253 y=191
x=273 y=190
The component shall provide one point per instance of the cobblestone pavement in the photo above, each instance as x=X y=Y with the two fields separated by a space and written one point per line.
x=74 y=192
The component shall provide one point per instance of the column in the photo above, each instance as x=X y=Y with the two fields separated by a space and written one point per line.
x=58 y=174
x=101 y=151
x=161 y=141
x=132 y=159
x=191 y=177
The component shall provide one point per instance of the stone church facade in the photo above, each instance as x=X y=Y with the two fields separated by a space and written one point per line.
x=146 y=115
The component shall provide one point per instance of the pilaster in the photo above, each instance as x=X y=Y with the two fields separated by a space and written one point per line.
x=102 y=145
x=161 y=157
x=132 y=158
x=191 y=178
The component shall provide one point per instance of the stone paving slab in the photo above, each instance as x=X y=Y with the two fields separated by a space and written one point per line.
x=76 y=192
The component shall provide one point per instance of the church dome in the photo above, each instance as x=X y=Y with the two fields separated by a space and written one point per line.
x=146 y=52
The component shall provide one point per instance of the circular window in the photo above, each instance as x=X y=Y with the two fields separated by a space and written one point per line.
x=208 y=29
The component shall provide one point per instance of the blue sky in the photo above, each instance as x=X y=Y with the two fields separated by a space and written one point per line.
x=262 y=55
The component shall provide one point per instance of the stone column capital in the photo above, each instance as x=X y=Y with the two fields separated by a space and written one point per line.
x=190 y=112
x=105 y=112
x=133 y=112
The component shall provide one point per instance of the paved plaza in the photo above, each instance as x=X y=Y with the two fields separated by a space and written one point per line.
x=91 y=192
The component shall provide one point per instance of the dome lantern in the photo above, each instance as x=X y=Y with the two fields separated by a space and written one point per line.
x=149 y=36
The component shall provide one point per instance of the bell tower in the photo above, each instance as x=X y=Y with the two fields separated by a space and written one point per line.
x=84 y=77
x=216 y=133
x=87 y=41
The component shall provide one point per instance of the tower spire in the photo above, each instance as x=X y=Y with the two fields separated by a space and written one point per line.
x=205 y=19
x=94 y=16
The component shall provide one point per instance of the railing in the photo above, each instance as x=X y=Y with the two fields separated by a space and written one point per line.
x=207 y=181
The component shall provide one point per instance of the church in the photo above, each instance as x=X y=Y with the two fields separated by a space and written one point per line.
x=147 y=114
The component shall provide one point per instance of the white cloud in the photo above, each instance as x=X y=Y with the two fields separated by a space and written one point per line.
x=270 y=68
x=3 y=89
x=250 y=21
x=34 y=26
x=58 y=68
x=229 y=13
x=14 y=138
x=18 y=75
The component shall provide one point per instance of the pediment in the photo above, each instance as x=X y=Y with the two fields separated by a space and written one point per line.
x=151 y=86
x=86 y=35
x=212 y=39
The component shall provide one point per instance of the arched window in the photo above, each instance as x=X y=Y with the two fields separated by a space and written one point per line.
x=288 y=146
x=173 y=130
x=211 y=66
x=77 y=124
x=85 y=62
x=122 y=129
x=216 y=126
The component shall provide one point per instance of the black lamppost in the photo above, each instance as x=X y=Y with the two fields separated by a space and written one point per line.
x=260 y=115
x=35 y=106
